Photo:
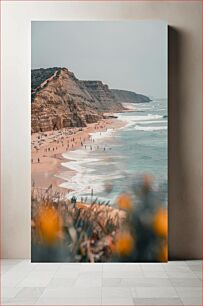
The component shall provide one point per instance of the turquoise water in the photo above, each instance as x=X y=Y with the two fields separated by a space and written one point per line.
x=118 y=155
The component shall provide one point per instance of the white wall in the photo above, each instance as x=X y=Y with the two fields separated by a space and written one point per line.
x=184 y=110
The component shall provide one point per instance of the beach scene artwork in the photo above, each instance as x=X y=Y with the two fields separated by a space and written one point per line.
x=99 y=141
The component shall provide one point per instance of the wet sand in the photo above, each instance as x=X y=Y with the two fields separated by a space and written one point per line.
x=48 y=147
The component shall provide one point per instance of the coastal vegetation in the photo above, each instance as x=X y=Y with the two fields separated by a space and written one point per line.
x=134 y=229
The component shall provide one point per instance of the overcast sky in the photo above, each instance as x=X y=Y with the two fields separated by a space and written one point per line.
x=129 y=55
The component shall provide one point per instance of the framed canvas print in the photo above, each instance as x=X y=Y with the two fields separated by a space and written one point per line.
x=99 y=141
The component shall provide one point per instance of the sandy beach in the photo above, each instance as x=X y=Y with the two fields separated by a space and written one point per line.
x=48 y=147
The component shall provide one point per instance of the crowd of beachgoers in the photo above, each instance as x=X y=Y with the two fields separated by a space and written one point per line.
x=47 y=149
x=66 y=139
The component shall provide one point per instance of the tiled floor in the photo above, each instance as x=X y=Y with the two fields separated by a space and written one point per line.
x=174 y=283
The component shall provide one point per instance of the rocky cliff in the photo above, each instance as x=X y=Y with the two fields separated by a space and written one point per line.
x=124 y=96
x=104 y=99
x=61 y=101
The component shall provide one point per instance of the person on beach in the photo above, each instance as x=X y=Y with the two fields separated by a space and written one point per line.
x=74 y=201
x=38 y=160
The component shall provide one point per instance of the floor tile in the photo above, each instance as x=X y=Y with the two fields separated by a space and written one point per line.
x=178 y=274
x=21 y=301
x=152 y=267
x=86 y=267
x=122 y=274
x=50 y=267
x=193 y=262
x=28 y=292
x=15 y=275
x=36 y=279
x=177 y=268
x=116 y=292
x=85 y=282
x=118 y=301
x=155 y=274
x=157 y=301
x=193 y=301
x=69 y=301
x=67 y=268
x=61 y=282
x=12 y=280
x=112 y=282
x=67 y=274
x=73 y=292
x=172 y=283
x=90 y=274
x=198 y=274
x=24 y=266
x=196 y=268
x=146 y=282
x=9 y=292
x=175 y=263
x=185 y=282
x=125 y=267
x=189 y=291
x=153 y=292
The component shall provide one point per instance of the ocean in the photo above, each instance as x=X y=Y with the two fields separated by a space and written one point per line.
x=113 y=160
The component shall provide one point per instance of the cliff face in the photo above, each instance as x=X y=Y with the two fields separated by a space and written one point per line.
x=60 y=101
x=104 y=99
x=124 y=96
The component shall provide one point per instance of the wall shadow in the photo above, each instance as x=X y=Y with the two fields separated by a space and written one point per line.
x=184 y=238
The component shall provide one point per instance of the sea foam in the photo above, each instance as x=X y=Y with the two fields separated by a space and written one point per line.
x=150 y=128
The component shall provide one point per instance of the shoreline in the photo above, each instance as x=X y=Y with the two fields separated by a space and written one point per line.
x=48 y=147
